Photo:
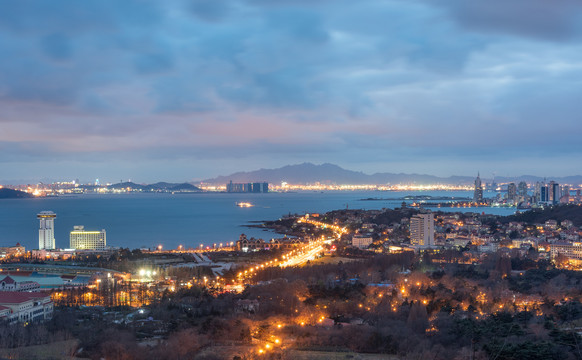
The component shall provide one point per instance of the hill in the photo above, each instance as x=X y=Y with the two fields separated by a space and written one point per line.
x=125 y=185
x=13 y=194
x=184 y=187
x=558 y=213
x=159 y=186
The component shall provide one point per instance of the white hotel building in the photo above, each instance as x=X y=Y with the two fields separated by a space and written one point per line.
x=82 y=239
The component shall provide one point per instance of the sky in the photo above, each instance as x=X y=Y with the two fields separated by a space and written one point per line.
x=185 y=90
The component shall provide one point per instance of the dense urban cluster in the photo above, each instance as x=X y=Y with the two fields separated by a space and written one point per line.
x=403 y=283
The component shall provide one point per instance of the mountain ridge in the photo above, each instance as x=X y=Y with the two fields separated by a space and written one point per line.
x=159 y=186
x=309 y=173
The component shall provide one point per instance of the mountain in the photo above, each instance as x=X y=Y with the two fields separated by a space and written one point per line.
x=159 y=186
x=328 y=173
x=295 y=174
x=308 y=173
x=184 y=187
x=13 y=194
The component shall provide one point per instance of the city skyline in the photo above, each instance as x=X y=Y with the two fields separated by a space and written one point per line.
x=302 y=174
x=195 y=89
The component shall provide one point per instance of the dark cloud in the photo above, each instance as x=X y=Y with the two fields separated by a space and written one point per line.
x=299 y=24
x=551 y=20
x=57 y=46
x=33 y=17
x=209 y=10
x=153 y=63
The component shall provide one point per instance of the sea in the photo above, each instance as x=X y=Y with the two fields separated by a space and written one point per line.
x=148 y=220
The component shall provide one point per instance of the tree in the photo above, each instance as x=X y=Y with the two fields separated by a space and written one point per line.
x=418 y=317
x=503 y=266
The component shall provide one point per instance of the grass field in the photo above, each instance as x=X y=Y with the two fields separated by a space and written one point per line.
x=330 y=355
x=331 y=260
x=249 y=352
x=63 y=350
x=57 y=350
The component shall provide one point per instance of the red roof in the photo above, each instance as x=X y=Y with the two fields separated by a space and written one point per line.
x=8 y=280
x=20 y=273
x=15 y=297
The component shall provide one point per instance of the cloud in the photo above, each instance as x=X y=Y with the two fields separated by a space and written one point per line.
x=56 y=46
x=348 y=81
x=550 y=20
x=209 y=10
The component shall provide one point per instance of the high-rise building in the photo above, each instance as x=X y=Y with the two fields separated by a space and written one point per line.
x=46 y=231
x=493 y=185
x=565 y=193
x=538 y=191
x=511 y=192
x=422 y=229
x=87 y=240
x=555 y=193
x=247 y=187
x=544 y=193
x=522 y=189
x=478 y=193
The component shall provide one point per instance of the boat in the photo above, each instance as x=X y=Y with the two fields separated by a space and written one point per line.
x=244 y=204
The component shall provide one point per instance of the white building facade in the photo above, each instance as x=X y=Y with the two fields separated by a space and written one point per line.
x=25 y=306
x=80 y=239
x=422 y=230
x=46 y=231
x=361 y=241
x=9 y=284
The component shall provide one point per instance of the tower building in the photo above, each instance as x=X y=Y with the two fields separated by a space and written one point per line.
x=422 y=229
x=538 y=192
x=554 y=192
x=478 y=194
x=545 y=193
x=46 y=231
x=522 y=189
x=511 y=192
x=565 y=194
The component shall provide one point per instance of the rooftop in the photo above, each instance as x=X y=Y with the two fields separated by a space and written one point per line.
x=15 y=297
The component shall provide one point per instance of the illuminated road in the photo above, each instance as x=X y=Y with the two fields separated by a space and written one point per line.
x=310 y=253
x=339 y=231
x=297 y=257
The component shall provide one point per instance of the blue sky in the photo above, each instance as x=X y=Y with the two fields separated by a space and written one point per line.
x=185 y=90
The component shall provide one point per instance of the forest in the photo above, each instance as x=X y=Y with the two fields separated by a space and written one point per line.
x=400 y=304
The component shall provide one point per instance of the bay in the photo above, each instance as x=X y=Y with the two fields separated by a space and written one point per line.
x=152 y=219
